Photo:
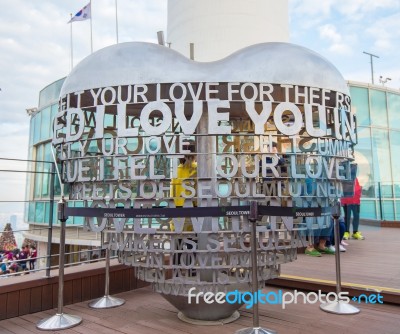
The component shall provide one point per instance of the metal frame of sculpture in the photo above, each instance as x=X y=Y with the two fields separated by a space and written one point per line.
x=120 y=148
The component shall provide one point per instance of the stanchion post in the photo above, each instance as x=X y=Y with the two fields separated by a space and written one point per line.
x=106 y=301
x=60 y=320
x=338 y=306
x=50 y=231
x=256 y=329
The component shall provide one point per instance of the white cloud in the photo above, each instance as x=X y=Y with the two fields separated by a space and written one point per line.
x=329 y=33
x=385 y=32
x=350 y=9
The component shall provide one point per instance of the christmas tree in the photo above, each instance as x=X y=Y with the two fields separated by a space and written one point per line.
x=7 y=239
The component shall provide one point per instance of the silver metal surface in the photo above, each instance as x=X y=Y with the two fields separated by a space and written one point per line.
x=50 y=232
x=106 y=302
x=146 y=63
x=254 y=285
x=203 y=311
x=255 y=330
x=58 y=321
x=235 y=315
x=107 y=283
x=61 y=260
x=337 y=257
x=339 y=307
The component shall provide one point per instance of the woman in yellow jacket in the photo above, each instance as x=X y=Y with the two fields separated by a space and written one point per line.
x=187 y=170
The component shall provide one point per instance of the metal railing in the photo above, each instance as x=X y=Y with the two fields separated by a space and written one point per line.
x=378 y=201
x=93 y=251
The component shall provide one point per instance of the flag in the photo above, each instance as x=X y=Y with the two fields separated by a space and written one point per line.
x=82 y=15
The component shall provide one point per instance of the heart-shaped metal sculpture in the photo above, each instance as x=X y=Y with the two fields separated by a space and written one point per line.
x=164 y=155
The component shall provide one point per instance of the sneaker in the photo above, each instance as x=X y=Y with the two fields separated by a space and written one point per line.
x=313 y=252
x=326 y=250
x=344 y=243
x=332 y=248
x=346 y=236
x=358 y=236
x=342 y=249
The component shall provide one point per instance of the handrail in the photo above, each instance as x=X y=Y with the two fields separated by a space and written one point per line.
x=27 y=271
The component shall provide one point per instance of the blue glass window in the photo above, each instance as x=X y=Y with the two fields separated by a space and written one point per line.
x=365 y=163
x=394 y=110
x=381 y=156
x=378 y=108
x=39 y=212
x=360 y=105
x=45 y=125
x=36 y=128
x=368 y=209
x=395 y=157
x=388 y=210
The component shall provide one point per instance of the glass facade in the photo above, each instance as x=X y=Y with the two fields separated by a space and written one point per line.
x=37 y=210
x=377 y=153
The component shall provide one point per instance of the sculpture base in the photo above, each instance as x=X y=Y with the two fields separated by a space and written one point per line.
x=255 y=330
x=224 y=321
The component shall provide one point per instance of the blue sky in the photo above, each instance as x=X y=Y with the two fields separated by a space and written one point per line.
x=341 y=30
x=35 y=47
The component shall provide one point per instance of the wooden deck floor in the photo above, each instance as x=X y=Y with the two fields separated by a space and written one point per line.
x=373 y=262
x=146 y=312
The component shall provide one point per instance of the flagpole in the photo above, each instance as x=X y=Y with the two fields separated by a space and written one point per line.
x=72 y=53
x=91 y=29
x=116 y=18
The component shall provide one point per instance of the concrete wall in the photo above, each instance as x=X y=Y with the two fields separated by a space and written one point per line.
x=220 y=27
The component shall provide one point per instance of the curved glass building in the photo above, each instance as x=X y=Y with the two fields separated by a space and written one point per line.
x=38 y=192
x=377 y=153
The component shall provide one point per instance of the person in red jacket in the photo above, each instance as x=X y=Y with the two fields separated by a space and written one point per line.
x=351 y=206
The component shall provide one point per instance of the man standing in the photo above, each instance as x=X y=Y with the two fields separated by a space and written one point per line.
x=32 y=258
x=351 y=206
x=23 y=256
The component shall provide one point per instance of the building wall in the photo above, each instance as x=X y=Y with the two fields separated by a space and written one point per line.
x=37 y=208
x=219 y=28
x=377 y=153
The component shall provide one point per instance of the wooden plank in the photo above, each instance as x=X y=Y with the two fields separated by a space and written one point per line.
x=3 y=306
x=85 y=288
x=24 y=325
x=25 y=302
x=102 y=283
x=132 y=279
x=118 y=281
x=126 y=279
x=47 y=297
x=76 y=291
x=12 y=304
x=55 y=295
x=3 y=330
x=36 y=299
x=94 y=287
x=68 y=292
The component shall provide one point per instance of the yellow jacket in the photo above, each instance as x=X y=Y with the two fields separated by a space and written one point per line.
x=186 y=170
